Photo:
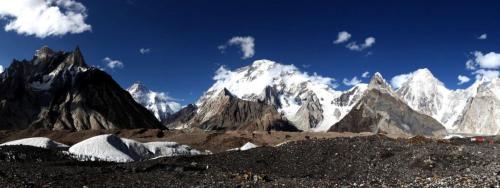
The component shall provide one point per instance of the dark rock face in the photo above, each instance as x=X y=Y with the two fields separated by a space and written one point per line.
x=381 y=112
x=181 y=118
x=227 y=112
x=57 y=90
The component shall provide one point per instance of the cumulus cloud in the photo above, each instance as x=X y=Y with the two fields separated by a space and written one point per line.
x=462 y=79
x=351 y=82
x=484 y=36
x=343 y=36
x=369 y=42
x=486 y=61
x=399 y=80
x=486 y=74
x=112 y=63
x=43 y=18
x=365 y=74
x=144 y=50
x=247 y=45
x=1 y=69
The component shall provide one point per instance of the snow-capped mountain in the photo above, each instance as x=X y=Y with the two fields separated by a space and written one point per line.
x=308 y=101
x=380 y=110
x=471 y=110
x=158 y=103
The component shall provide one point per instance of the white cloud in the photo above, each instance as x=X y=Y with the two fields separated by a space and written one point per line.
x=484 y=36
x=247 y=45
x=369 y=42
x=43 y=18
x=343 y=36
x=399 y=80
x=365 y=74
x=486 y=74
x=470 y=65
x=462 y=79
x=1 y=69
x=486 y=61
x=351 y=82
x=144 y=50
x=112 y=63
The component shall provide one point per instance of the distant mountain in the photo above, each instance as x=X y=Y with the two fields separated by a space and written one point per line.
x=227 y=112
x=158 y=103
x=381 y=111
x=308 y=101
x=473 y=110
x=57 y=90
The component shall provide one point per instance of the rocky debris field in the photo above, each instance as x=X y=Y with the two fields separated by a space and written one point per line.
x=371 y=161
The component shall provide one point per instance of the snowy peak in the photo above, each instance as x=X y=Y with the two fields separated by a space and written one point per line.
x=289 y=90
x=159 y=103
x=423 y=79
x=138 y=87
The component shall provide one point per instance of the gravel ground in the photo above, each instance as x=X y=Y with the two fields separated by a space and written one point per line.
x=372 y=161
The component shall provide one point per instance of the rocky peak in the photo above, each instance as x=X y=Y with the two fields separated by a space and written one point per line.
x=44 y=52
x=379 y=83
x=225 y=93
x=77 y=58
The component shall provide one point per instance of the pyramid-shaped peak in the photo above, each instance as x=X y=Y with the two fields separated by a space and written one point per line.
x=378 y=82
x=78 y=57
x=138 y=86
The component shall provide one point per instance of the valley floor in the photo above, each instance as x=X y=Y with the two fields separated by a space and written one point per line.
x=367 y=161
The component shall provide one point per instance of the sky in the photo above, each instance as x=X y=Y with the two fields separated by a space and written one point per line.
x=176 y=46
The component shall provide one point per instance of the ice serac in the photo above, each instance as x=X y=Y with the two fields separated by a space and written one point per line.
x=309 y=101
x=57 y=90
x=381 y=111
x=227 y=112
x=158 y=103
x=481 y=114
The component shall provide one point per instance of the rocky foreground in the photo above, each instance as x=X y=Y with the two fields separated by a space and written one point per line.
x=372 y=161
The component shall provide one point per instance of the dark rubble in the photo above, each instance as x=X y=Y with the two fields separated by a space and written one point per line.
x=374 y=161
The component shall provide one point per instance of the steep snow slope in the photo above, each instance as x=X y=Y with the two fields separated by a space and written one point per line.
x=115 y=149
x=426 y=94
x=309 y=101
x=157 y=102
x=40 y=142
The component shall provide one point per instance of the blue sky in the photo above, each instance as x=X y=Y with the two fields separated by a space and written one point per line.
x=184 y=36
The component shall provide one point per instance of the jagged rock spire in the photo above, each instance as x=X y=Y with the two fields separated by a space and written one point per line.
x=77 y=58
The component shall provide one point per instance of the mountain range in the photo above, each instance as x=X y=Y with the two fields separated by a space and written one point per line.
x=58 y=90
